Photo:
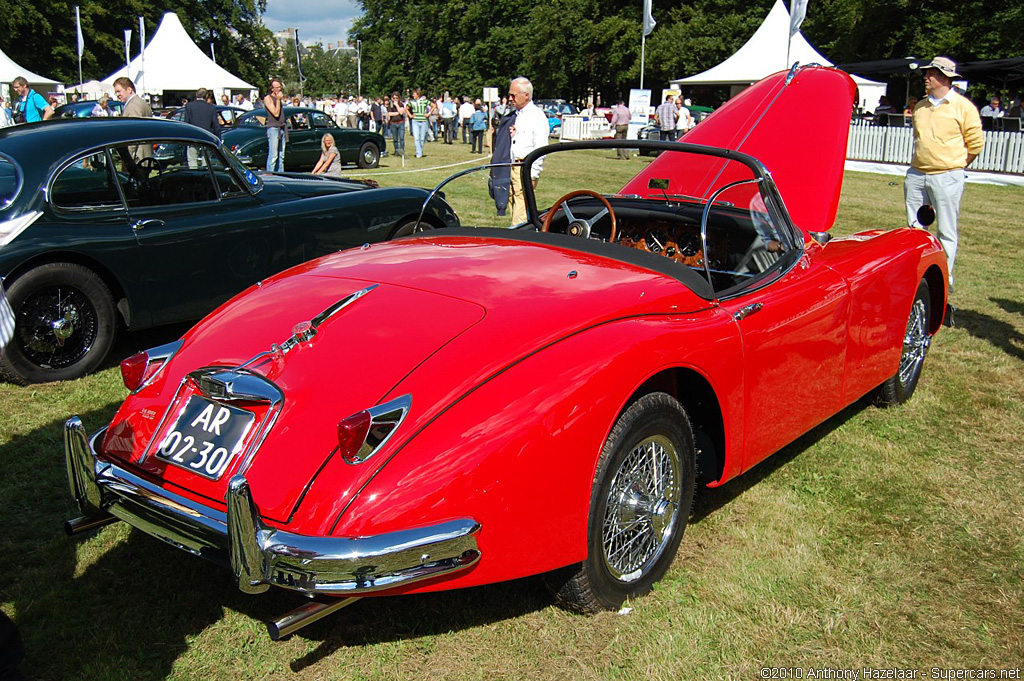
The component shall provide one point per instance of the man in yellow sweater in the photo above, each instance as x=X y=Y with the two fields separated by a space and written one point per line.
x=947 y=137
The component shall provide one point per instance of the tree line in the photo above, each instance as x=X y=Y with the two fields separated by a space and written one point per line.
x=569 y=48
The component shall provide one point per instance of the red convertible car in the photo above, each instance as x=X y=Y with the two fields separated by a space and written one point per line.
x=475 y=405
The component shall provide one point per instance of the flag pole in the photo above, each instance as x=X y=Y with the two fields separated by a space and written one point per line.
x=643 y=49
x=142 y=54
x=646 y=27
x=81 y=46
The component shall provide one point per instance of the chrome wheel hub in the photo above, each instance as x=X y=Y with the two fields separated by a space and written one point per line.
x=642 y=508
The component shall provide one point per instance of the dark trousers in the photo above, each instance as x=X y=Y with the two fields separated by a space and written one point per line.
x=478 y=142
x=449 y=129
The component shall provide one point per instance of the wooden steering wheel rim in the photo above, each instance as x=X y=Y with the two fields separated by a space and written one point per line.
x=572 y=195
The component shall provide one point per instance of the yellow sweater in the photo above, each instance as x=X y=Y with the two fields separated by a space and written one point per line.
x=945 y=134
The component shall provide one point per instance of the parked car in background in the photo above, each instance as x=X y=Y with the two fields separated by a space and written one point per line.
x=248 y=140
x=85 y=109
x=228 y=115
x=651 y=131
x=98 y=235
x=469 y=406
x=554 y=124
x=559 y=107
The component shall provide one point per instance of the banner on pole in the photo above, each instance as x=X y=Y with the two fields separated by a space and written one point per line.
x=649 y=22
x=796 y=16
x=78 y=26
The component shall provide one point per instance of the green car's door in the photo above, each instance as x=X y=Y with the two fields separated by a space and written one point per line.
x=204 y=236
x=303 y=150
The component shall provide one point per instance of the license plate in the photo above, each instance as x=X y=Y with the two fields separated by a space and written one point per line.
x=205 y=437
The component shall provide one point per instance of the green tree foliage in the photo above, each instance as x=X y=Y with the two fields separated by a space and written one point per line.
x=41 y=35
x=326 y=72
x=575 y=48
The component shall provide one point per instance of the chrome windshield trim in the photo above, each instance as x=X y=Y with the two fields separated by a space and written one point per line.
x=260 y=555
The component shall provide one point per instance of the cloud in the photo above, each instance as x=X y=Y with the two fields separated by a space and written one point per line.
x=325 y=21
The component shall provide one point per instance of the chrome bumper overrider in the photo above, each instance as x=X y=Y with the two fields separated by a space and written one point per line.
x=260 y=555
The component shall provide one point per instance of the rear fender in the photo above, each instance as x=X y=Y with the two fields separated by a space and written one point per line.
x=519 y=452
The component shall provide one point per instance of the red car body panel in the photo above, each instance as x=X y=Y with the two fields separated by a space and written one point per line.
x=520 y=355
x=759 y=122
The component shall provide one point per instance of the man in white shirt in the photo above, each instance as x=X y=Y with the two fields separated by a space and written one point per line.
x=341 y=113
x=529 y=132
x=466 y=110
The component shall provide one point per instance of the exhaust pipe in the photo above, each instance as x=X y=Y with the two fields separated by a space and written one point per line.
x=307 y=614
x=86 y=523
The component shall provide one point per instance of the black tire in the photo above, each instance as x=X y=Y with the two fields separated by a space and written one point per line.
x=369 y=155
x=899 y=387
x=409 y=226
x=637 y=516
x=65 y=324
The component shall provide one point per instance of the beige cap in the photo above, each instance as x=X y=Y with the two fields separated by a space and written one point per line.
x=944 y=64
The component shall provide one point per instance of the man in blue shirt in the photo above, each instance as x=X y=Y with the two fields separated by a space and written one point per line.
x=31 y=106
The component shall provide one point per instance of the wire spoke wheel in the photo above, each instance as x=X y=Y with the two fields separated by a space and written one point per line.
x=915 y=343
x=639 y=505
x=642 y=508
x=64 y=324
x=56 y=326
x=899 y=387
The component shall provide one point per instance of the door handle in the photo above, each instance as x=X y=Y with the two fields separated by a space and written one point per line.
x=747 y=310
x=142 y=224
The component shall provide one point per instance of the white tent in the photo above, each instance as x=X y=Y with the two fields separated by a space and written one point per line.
x=92 y=89
x=172 y=62
x=9 y=70
x=765 y=53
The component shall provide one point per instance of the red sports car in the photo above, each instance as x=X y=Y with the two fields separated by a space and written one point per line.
x=475 y=404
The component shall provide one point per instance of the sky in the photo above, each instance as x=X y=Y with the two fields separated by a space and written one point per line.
x=326 y=21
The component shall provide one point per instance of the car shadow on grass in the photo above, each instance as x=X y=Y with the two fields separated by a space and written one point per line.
x=118 y=603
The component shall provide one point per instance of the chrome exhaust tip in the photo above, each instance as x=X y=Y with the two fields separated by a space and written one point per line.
x=86 y=523
x=291 y=622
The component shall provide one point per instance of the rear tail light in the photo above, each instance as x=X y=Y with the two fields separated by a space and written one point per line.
x=139 y=369
x=362 y=434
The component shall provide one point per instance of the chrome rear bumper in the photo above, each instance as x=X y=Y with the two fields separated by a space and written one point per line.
x=260 y=555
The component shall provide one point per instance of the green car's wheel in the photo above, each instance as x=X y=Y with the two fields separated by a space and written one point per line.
x=369 y=155
x=65 y=324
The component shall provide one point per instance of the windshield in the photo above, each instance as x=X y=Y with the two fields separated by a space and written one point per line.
x=254 y=119
x=251 y=178
x=716 y=214
x=10 y=182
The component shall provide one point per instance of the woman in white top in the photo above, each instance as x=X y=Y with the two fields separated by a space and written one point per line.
x=330 y=159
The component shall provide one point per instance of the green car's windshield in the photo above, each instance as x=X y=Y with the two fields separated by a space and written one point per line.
x=250 y=177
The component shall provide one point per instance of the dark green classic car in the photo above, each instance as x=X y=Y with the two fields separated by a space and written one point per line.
x=96 y=234
x=306 y=128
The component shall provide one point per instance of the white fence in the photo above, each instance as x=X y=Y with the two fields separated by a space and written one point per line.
x=1003 y=152
x=578 y=128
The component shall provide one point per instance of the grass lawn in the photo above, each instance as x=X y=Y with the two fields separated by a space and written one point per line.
x=884 y=538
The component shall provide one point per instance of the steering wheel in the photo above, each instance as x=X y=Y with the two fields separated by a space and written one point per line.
x=146 y=165
x=579 y=226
